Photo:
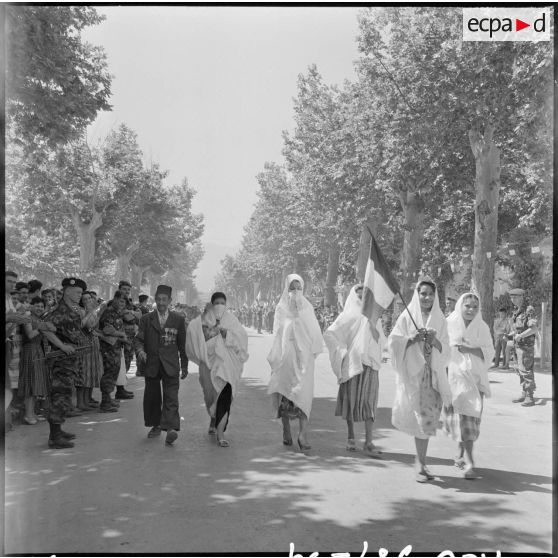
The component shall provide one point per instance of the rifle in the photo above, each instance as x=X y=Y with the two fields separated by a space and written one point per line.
x=61 y=353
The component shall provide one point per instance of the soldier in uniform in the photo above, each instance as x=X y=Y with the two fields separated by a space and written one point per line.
x=69 y=335
x=131 y=316
x=111 y=325
x=523 y=333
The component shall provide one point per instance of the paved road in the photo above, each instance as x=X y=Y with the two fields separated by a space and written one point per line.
x=117 y=491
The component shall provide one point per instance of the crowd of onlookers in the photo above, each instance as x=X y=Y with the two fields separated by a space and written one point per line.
x=30 y=353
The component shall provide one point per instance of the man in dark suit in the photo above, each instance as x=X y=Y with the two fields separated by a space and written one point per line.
x=159 y=342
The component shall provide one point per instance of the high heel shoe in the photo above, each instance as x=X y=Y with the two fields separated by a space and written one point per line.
x=303 y=447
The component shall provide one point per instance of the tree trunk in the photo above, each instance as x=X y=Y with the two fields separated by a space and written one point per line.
x=413 y=210
x=364 y=248
x=412 y=243
x=487 y=188
x=137 y=277
x=332 y=273
x=86 y=234
x=123 y=262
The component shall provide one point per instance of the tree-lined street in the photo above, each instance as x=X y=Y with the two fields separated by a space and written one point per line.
x=118 y=491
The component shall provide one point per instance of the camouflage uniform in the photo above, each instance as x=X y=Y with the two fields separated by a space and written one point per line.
x=525 y=349
x=111 y=353
x=130 y=328
x=65 y=370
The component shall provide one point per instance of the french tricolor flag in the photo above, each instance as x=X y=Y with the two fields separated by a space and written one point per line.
x=380 y=287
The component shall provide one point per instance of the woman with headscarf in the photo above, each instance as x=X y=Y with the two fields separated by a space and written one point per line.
x=218 y=344
x=298 y=340
x=355 y=358
x=471 y=355
x=419 y=352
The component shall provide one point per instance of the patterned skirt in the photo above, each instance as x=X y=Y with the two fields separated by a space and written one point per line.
x=288 y=409
x=91 y=364
x=461 y=428
x=357 y=399
x=34 y=376
x=430 y=404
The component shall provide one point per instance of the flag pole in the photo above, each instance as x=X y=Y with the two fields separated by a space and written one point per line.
x=398 y=290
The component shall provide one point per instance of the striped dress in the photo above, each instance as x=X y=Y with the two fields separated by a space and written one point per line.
x=33 y=374
x=357 y=399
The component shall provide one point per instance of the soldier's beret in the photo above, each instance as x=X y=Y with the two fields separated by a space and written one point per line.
x=74 y=282
x=164 y=289
x=516 y=292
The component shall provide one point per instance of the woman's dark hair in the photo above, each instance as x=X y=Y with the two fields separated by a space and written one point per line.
x=217 y=296
x=34 y=285
x=37 y=300
x=82 y=295
x=21 y=285
x=118 y=294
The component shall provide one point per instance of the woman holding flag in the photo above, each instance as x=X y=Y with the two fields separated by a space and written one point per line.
x=298 y=340
x=355 y=358
x=419 y=352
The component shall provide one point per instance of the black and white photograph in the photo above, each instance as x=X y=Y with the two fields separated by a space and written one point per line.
x=278 y=279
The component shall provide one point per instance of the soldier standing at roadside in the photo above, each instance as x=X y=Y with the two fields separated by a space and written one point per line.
x=524 y=331
x=69 y=335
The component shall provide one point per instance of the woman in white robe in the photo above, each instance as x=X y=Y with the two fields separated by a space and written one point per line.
x=419 y=357
x=218 y=344
x=471 y=355
x=355 y=358
x=298 y=340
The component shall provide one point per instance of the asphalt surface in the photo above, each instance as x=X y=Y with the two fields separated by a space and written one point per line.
x=117 y=491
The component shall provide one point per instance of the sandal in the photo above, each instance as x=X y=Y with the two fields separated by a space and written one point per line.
x=470 y=473
x=372 y=451
x=351 y=445
x=223 y=444
x=459 y=462
x=287 y=441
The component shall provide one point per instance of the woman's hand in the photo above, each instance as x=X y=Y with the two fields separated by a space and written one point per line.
x=68 y=349
x=418 y=336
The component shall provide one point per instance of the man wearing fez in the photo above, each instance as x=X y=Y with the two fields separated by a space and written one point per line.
x=159 y=342
x=523 y=333
x=66 y=318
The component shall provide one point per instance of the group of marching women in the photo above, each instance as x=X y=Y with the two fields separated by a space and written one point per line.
x=440 y=364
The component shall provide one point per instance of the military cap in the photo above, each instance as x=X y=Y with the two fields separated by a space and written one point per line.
x=164 y=289
x=516 y=292
x=74 y=282
x=143 y=297
x=124 y=283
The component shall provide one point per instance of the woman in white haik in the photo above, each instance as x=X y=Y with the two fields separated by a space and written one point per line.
x=218 y=344
x=419 y=357
x=472 y=351
x=298 y=340
x=355 y=358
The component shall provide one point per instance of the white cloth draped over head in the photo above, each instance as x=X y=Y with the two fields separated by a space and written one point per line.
x=298 y=339
x=350 y=342
x=224 y=358
x=409 y=362
x=467 y=373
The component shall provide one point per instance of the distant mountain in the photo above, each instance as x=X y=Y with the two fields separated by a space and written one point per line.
x=210 y=266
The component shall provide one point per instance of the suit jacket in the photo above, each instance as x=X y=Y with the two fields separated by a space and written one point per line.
x=162 y=346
